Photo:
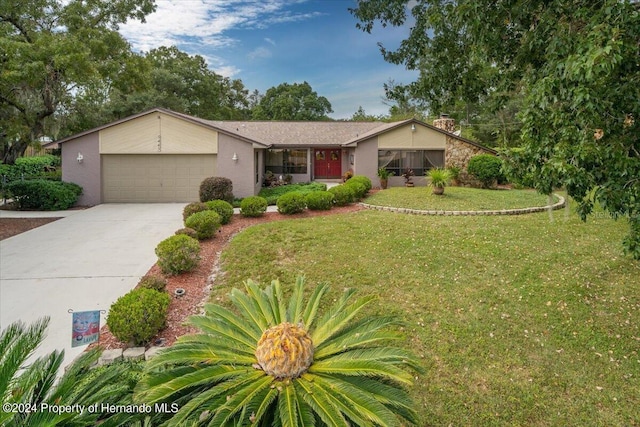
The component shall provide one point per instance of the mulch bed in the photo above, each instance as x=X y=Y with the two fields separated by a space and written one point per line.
x=10 y=227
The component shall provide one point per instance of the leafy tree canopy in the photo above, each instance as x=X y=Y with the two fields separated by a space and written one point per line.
x=296 y=101
x=573 y=64
x=51 y=49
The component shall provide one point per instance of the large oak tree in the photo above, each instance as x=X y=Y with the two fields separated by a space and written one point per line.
x=51 y=50
x=574 y=64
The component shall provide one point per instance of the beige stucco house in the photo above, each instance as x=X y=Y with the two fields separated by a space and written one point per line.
x=162 y=156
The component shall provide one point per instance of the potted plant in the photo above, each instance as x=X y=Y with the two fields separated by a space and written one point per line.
x=438 y=179
x=454 y=172
x=408 y=177
x=384 y=175
x=347 y=175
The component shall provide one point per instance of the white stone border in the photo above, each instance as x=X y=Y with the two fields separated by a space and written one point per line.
x=521 y=211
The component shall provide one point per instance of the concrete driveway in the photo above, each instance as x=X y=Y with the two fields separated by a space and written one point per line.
x=84 y=261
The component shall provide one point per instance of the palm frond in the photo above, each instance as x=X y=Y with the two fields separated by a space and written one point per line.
x=262 y=301
x=337 y=317
x=319 y=402
x=249 y=309
x=197 y=352
x=241 y=398
x=311 y=309
x=212 y=341
x=296 y=302
x=362 y=367
x=221 y=314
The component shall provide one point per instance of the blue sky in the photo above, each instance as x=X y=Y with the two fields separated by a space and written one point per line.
x=266 y=43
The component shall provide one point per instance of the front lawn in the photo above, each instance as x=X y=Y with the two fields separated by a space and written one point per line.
x=457 y=199
x=272 y=193
x=519 y=320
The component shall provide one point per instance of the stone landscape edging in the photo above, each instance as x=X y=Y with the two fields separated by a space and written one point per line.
x=520 y=211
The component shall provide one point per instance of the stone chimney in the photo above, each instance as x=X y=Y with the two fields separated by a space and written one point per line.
x=445 y=123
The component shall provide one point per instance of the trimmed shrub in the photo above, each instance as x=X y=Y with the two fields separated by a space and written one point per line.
x=343 y=194
x=188 y=232
x=216 y=188
x=359 y=189
x=192 y=208
x=205 y=223
x=222 y=208
x=362 y=179
x=178 y=254
x=319 y=200
x=253 y=206
x=486 y=168
x=44 y=195
x=138 y=315
x=291 y=203
x=156 y=283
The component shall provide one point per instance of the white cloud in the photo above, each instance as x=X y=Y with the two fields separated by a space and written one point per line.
x=270 y=41
x=259 y=53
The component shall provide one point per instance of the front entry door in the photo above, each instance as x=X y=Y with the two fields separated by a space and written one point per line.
x=328 y=163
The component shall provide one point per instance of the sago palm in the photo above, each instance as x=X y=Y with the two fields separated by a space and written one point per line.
x=271 y=363
x=28 y=389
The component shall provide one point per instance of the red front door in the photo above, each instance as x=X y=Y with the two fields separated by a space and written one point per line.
x=328 y=163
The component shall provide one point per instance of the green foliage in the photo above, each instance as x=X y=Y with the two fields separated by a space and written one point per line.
x=319 y=200
x=296 y=101
x=223 y=208
x=44 y=195
x=454 y=172
x=438 y=177
x=192 y=208
x=31 y=168
x=357 y=376
x=383 y=173
x=486 y=168
x=29 y=383
x=156 y=283
x=216 y=188
x=291 y=203
x=188 y=232
x=362 y=179
x=253 y=206
x=343 y=194
x=178 y=254
x=359 y=189
x=272 y=193
x=205 y=223
x=138 y=315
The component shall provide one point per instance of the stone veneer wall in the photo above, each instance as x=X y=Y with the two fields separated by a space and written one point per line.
x=458 y=152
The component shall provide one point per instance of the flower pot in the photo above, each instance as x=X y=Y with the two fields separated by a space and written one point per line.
x=409 y=184
x=438 y=190
x=383 y=183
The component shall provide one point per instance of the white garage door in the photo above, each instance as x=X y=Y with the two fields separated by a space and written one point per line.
x=143 y=178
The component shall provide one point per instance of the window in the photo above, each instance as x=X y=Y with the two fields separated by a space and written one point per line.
x=286 y=161
x=420 y=161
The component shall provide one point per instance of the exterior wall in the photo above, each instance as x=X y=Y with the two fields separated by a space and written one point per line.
x=458 y=154
x=241 y=172
x=366 y=160
x=404 y=138
x=86 y=174
x=158 y=133
x=259 y=156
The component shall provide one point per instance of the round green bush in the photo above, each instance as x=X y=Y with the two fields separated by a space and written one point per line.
x=153 y=282
x=362 y=179
x=343 y=194
x=178 y=254
x=187 y=231
x=216 y=188
x=359 y=189
x=291 y=203
x=44 y=195
x=253 y=206
x=138 y=315
x=223 y=208
x=486 y=168
x=319 y=200
x=205 y=223
x=192 y=208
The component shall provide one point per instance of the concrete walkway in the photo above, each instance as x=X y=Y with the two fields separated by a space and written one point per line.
x=84 y=261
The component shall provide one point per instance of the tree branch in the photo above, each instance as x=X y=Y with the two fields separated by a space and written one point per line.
x=13 y=21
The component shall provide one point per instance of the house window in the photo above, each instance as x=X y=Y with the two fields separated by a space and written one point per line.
x=285 y=161
x=420 y=161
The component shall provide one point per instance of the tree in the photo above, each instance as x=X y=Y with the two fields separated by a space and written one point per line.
x=50 y=50
x=272 y=363
x=292 y=102
x=576 y=65
x=31 y=386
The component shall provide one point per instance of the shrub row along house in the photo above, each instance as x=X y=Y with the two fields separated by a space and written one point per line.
x=162 y=156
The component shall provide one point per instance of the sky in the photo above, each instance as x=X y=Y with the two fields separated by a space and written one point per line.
x=266 y=43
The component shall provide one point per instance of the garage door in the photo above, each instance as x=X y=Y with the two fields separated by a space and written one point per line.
x=138 y=178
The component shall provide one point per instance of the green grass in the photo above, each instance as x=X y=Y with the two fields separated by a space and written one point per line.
x=272 y=193
x=519 y=320
x=457 y=198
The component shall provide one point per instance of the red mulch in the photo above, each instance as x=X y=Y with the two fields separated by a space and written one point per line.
x=9 y=227
x=198 y=282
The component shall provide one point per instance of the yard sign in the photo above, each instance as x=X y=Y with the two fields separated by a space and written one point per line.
x=86 y=327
